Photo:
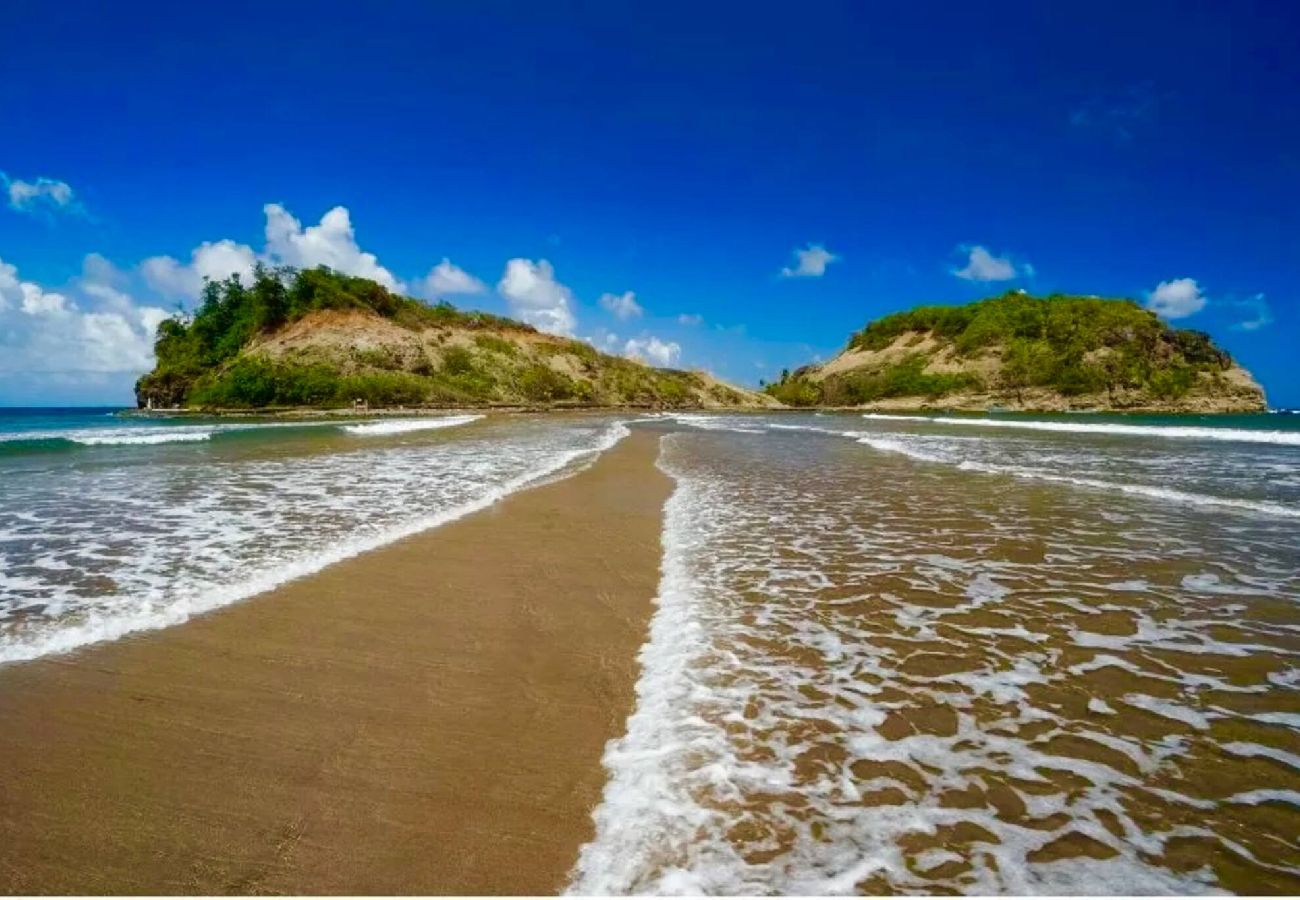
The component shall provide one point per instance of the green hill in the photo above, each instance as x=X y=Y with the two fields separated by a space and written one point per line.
x=317 y=338
x=1023 y=352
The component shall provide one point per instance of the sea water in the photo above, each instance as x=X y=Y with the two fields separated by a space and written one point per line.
x=1008 y=654
x=889 y=654
x=112 y=524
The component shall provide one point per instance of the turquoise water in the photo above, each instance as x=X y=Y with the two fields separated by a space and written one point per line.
x=24 y=431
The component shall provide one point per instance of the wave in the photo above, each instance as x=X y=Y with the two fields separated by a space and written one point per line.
x=97 y=626
x=1258 y=506
x=645 y=789
x=722 y=728
x=402 y=426
x=139 y=436
x=1192 y=432
x=704 y=422
x=125 y=438
x=20 y=441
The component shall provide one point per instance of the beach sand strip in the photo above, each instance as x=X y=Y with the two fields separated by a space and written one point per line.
x=425 y=718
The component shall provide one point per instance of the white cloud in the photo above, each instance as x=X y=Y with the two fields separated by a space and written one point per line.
x=981 y=265
x=1262 y=315
x=1177 y=298
x=623 y=306
x=446 y=278
x=649 y=348
x=536 y=297
x=812 y=262
x=215 y=260
x=691 y=319
x=104 y=281
x=42 y=194
x=331 y=243
x=603 y=340
x=47 y=335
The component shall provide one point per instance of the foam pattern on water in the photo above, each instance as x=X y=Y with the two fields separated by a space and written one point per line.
x=1185 y=432
x=404 y=426
x=899 y=676
x=106 y=545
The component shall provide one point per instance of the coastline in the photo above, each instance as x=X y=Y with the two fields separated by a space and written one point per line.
x=897 y=405
x=428 y=717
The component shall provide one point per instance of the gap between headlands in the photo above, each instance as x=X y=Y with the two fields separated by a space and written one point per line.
x=426 y=718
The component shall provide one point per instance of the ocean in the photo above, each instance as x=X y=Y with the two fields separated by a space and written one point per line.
x=112 y=524
x=1024 y=654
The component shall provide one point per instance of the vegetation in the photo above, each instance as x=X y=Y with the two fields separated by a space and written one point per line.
x=218 y=356
x=1064 y=344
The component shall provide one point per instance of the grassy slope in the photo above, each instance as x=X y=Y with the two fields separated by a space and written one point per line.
x=1023 y=351
x=318 y=338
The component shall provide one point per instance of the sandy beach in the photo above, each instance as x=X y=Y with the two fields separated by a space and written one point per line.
x=426 y=718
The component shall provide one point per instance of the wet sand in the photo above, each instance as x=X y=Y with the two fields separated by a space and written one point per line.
x=427 y=718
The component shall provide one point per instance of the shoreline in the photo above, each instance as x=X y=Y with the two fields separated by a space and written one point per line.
x=428 y=717
x=299 y=413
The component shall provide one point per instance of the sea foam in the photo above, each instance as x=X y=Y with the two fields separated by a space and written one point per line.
x=1240 y=435
x=801 y=623
x=402 y=426
x=230 y=530
x=901 y=444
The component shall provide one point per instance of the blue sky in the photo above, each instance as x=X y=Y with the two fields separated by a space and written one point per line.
x=683 y=152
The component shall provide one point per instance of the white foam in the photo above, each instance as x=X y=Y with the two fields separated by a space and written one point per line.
x=647 y=791
x=1192 y=432
x=750 y=668
x=402 y=426
x=1168 y=710
x=902 y=446
x=1100 y=707
x=126 y=437
x=146 y=435
x=167 y=599
x=1245 y=748
x=737 y=424
x=1266 y=795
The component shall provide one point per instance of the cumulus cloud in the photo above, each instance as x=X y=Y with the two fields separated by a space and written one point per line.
x=331 y=243
x=446 y=279
x=604 y=340
x=48 y=334
x=623 y=306
x=40 y=195
x=1177 y=298
x=1260 y=314
x=536 y=297
x=811 y=262
x=215 y=260
x=981 y=265
x=651 y=349
x=690 y=319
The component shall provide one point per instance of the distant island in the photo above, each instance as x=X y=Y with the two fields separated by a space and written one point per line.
x=317 y=338
x=1021 y=352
